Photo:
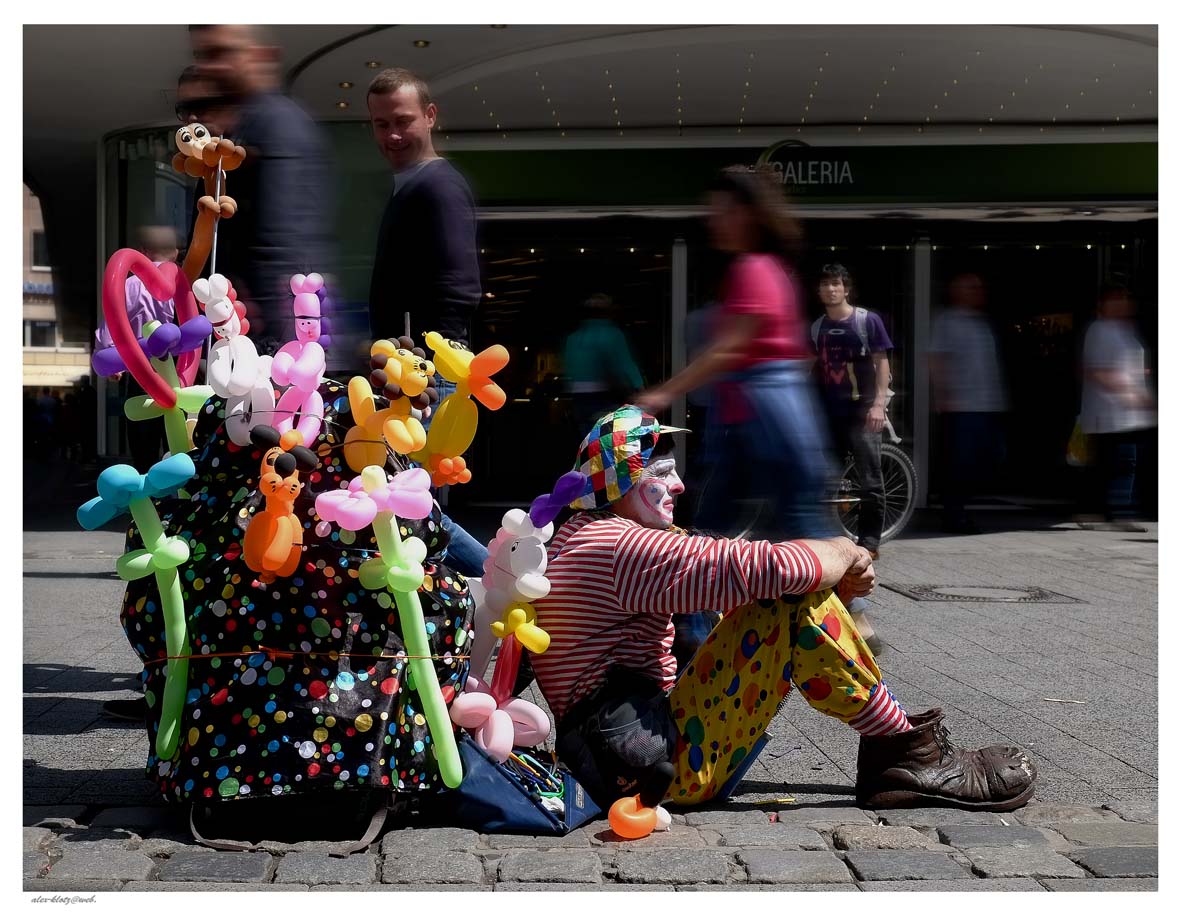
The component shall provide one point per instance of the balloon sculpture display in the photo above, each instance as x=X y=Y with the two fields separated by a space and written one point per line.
x=122 y=488
x=374 y=499
x=301 y=363
x=454 y=424
x=236 y=371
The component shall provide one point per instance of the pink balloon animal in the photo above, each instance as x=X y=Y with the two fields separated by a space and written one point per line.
x=300 y=363
x=498 y=721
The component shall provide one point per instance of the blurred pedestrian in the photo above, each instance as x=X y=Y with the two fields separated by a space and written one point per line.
x=1116 y=406
x=853 y=360
x=599 y=366
x=426 y=263
x=285 y=214
x=969 y=396
x=767 y=420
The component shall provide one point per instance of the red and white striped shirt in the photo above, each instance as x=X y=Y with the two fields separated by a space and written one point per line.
x=614 y=586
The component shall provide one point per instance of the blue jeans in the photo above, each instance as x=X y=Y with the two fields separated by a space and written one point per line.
x=779 y=457
x=464 y=553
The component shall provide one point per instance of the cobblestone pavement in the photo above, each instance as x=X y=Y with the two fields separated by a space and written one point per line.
x=1001 y=671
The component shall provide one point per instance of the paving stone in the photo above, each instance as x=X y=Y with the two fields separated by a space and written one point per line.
x=875 y=837
x=1110 y=833
x=156 y=887
x=52 y=815
x=1100 y=884
x=36 y=838
x=101 y=861
x=224 y=867
x=820 y=816
x=1021 y=862
x=1119 y=861
x=161 y=846
x=672 y=866
x=676 y=837
x=980 y=884
x=972 y=837
x=1141 y=812
x=320 y=868
x=574 y=839
x=35 y=863
x=786 y=866
x=453 y=838
x=519 y=886
x=850 y=887
x=401 y=888
x=133 y=818
x=1049 y=815
x=51 y=886
x=420 y=865
x=903 y=864
x=779 y=835
x=725 y=816
x=557 y=866
x=939 y=817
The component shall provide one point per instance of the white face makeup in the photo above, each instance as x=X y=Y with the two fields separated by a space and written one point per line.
x=651 y=501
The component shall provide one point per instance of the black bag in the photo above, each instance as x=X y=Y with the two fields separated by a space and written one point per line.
x=296 y=686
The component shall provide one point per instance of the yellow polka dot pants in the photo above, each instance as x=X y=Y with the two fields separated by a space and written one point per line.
x=735 y=683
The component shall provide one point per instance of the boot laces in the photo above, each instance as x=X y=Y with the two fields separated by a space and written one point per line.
x=943 y=739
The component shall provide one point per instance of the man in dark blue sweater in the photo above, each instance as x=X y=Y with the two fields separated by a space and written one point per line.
x=426 y=263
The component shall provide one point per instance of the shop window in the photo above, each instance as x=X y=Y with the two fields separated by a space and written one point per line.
x=40 y=333
x=40 y=251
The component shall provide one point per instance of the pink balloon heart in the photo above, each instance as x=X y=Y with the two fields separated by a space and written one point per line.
x=163 y=282
x=472 y=710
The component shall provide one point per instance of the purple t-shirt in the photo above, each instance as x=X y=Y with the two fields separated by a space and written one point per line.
x=847 y=375
x=141 y=308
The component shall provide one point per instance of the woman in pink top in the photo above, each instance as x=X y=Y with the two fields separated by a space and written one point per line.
x=765 y=416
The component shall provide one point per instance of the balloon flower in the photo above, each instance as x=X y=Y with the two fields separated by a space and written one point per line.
x=236 y=371
x=454 y=423
x=274 y=538
x=122 y=488
x=300 y=364
x=375 y=499
x=169 y=385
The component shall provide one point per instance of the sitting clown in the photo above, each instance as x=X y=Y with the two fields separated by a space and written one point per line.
x=632 y=731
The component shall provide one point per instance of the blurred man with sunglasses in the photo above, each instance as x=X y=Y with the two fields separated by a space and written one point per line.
x=285 y=216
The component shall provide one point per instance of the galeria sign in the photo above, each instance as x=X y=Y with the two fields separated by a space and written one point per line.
x=793 y=164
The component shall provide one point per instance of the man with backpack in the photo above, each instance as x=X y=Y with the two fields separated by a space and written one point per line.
x=852 y=347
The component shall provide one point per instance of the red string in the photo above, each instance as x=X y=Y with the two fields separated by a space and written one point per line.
x=282 y=653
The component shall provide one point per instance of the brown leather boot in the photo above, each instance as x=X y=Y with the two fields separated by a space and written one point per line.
x=922 y=767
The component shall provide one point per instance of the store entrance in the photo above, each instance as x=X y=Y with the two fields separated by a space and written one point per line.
x=537 y=274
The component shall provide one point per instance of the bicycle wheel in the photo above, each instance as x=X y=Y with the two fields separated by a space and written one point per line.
x=900 y=482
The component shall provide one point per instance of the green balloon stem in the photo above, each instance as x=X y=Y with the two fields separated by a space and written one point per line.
x=175 y=430
x=176 y=637
x=414 y=635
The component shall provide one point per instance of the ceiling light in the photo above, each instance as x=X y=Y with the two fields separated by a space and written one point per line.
x=421 y=43
x=1122 y=247
x=1037 y=247
x=632 y=250
x=986 y=248
x=342 y=104
x=489 y=295
x=582 y=251
x=345 y=85
x=372 y=64
x=1088 y=248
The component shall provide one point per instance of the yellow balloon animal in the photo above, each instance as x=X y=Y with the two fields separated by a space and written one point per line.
x=454 y=424
x=402 y=374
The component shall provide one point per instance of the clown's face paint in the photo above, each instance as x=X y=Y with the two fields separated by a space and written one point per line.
x=651 y=501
